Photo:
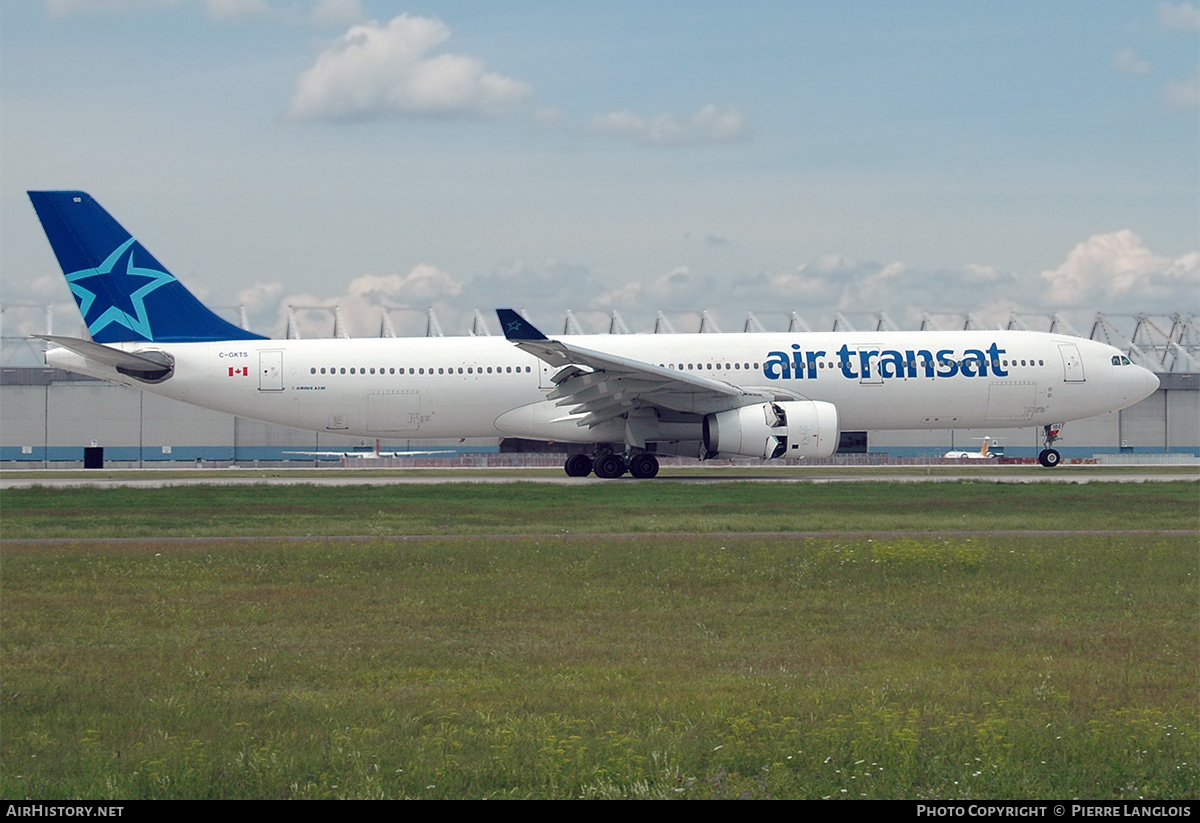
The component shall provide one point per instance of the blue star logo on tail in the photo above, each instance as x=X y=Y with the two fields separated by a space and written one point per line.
x=111 y=287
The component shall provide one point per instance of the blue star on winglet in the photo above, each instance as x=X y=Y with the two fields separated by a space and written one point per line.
x=517 y=327
x=135 y=320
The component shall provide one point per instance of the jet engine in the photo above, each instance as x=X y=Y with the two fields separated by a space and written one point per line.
x=788 y=428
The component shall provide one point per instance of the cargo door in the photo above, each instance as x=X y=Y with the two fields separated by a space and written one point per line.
x=394 y=411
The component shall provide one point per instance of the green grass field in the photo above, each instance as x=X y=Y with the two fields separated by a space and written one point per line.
x=535 y=508
x=594 y=650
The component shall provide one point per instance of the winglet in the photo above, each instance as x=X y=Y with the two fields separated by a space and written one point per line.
x=517 y=327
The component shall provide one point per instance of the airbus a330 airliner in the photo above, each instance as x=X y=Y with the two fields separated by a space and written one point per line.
x=619 y=400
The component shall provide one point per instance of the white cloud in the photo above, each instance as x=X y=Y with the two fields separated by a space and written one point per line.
x=1182 y=16
x=1116 y=271
x=375 y=70
x=981 y=273
x=1129 y=62
x=1185 y=94
x=425 y=282
x=361 y=305
x=259 y=295
x=710 y=124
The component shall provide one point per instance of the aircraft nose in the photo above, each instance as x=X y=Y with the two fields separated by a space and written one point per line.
x=1151 y=381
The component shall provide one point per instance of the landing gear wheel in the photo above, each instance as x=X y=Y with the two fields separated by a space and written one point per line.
x=610 y=466
x=1049 y=458
x=578 y=465
x=643 y=466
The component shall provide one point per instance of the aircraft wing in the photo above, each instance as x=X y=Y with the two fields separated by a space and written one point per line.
x=599 y=386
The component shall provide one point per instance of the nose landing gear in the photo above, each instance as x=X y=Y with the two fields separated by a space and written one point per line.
x=1049 y=457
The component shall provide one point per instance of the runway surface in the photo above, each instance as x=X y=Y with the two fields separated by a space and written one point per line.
x=143 y=478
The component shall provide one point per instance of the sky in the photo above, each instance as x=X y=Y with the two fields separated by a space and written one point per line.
x=769 y=157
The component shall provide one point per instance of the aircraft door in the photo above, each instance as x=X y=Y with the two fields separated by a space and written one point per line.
x=270 y=371
x=1072 y=363
x=868 y=366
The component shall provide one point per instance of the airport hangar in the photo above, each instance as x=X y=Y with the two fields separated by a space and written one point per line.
x=51 y=418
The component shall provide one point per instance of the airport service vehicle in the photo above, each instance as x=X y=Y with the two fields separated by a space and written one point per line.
x=990 y=450
x=618 y=401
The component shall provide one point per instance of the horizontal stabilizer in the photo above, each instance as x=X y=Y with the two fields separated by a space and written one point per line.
x=152 y=366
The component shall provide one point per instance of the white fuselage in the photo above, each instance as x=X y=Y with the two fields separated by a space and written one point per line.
x=487 y=387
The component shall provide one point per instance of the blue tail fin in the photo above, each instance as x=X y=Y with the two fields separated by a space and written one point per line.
x=123 y=293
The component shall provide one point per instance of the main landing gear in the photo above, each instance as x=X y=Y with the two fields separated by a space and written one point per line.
x=1049 y=457
x=612 y=465
x=578 y=465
